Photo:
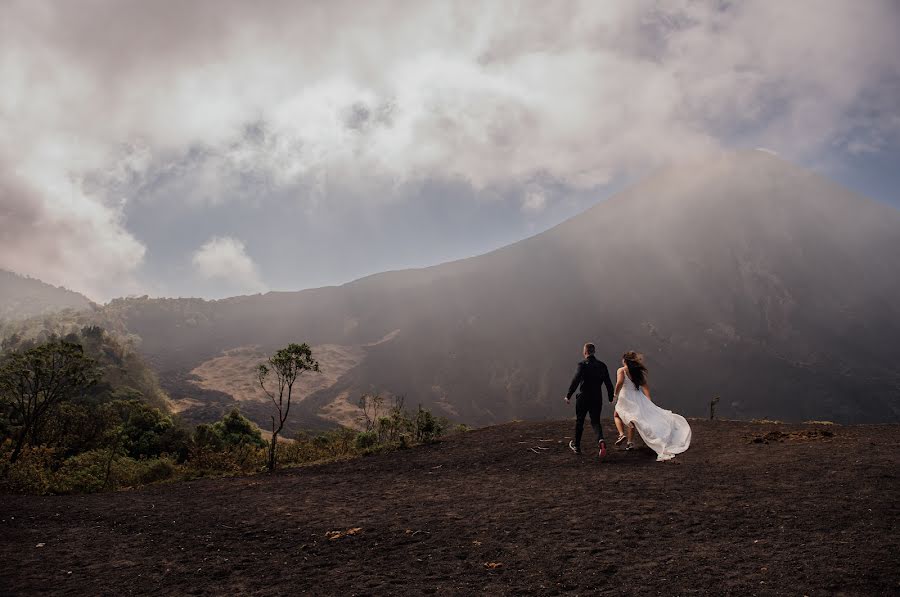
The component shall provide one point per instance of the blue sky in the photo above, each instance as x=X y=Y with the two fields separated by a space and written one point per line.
x=216 y=148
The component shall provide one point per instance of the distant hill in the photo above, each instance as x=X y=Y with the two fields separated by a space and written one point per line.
x=126 y=374
x=742 y=276
x=33 y=312
x=22 y=297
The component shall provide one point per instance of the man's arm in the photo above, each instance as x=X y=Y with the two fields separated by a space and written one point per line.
x=608 y=383
x=579 y=375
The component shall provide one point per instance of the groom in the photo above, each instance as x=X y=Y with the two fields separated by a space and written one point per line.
x=592 y=375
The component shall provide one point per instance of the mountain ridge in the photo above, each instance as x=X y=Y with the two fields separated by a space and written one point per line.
x=741 y=277
x=22 y=297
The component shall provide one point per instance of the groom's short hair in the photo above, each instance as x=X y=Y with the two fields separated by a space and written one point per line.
x=589 y=348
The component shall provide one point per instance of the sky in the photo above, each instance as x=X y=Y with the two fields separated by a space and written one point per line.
x=221 y=147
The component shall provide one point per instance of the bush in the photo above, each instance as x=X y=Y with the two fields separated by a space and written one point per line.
x=237 y=430
x=100 y=469
x=211 y=454
x=206 y=438
x=144 y=429
x=158 y=469
x=31 y=472
x=136 y=444
x=428 y=428
x=85 y=473
x=366 y=440
x=229 y=445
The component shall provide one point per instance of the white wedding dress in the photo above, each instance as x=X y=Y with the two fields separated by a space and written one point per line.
x=662 y=430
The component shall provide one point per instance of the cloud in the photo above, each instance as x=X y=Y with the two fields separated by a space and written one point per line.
x=225 y=259
x=66 y=236
x=347 y=101
x=534 y=201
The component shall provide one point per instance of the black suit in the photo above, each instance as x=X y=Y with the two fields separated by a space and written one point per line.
x=591 y=375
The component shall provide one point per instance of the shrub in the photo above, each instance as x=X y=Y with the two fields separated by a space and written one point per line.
x=144 y=429
x=158 y=469
x=366 y=440
x=204 y=442
x=370 y=405
x=85 y=473
x=238 y=452
x=113 y=445
x=236 y=430
x=384 y=429
x=30 y=473
x=428 y=428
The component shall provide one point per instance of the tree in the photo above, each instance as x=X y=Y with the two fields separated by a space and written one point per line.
x=205 y=440
x=237 y=430
x=427 y=427
x=35 y=381
x=370 y=404
x=287 y=365
x=240 y=436
x=144 y=429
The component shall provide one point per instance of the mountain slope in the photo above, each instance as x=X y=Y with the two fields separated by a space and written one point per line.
x=742 y=277
x=22 y=297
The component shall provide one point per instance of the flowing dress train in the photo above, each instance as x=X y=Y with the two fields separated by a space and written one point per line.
x=665 y=432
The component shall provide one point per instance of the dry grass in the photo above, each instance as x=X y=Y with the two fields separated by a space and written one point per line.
x=342 y=411
x=235 y=371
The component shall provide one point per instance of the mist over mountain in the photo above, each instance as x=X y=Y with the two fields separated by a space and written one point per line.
x=22 y=297
x=740 y=276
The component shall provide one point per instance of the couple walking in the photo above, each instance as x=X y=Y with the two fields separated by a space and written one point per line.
x=662 y=430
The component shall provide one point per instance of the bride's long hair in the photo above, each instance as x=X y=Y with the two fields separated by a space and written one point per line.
x=636 y=370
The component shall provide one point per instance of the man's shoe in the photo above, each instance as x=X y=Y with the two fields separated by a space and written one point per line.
x=620 y=439
x=629 y=446
x=602 y=448
x=573 y=448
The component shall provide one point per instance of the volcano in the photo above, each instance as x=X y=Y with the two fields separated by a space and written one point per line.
x=740 y=277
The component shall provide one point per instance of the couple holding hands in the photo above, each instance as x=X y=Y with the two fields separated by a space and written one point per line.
x=665 y=432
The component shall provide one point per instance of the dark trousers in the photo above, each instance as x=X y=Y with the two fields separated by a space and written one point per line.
x=583 y=407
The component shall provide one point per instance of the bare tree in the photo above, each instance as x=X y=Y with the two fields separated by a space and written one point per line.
x=398 y=419
x=370 y=404
x=287 y=365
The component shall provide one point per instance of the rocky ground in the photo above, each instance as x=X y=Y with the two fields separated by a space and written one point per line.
x=750 y=509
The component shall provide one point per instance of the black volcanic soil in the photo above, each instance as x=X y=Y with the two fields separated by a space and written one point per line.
x=803 y=510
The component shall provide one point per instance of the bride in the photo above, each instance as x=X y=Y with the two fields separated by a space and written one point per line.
x=662 y=430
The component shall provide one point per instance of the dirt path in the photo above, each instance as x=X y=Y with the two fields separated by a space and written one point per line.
x=481 y=513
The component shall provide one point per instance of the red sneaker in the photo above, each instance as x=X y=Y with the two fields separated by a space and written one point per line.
x=602 y=449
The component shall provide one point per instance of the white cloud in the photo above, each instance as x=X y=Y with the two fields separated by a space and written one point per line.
x=380 y=94
x=534 y=201
x=225 y=259
x=66 y=236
